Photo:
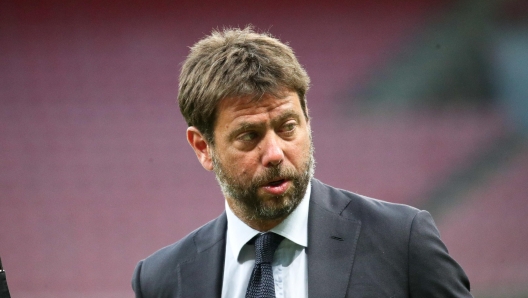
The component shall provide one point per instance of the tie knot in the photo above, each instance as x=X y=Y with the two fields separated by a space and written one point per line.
x=265 y=246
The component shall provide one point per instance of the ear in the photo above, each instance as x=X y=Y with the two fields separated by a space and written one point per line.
x=200 y=147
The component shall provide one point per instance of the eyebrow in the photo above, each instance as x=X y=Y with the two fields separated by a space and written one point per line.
x=289 y=113
x=245 y=125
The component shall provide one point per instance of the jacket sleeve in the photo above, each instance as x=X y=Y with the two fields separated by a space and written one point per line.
x=136 y=285
x=432 y=271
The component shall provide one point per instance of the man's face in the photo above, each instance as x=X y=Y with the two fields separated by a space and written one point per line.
x=262 y=156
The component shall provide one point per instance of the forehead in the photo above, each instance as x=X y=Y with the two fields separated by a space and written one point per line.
x=230 y=111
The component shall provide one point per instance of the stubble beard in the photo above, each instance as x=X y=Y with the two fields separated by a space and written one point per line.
x=244 y=194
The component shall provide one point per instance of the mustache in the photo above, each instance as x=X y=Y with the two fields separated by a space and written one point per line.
x=278 y=172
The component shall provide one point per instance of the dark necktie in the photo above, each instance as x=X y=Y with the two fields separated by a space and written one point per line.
x=261 y=284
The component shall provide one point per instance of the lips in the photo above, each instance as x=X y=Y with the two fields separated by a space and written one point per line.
x=276 y=182
x=277 y=186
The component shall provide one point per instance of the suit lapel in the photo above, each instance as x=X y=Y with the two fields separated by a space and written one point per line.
x=332 y=240
x=202 y=276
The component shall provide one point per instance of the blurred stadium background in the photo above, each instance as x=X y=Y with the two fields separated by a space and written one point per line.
x=422 y=102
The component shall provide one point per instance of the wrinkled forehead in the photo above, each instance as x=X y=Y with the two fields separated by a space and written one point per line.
x=242 y=108
x=254 y=99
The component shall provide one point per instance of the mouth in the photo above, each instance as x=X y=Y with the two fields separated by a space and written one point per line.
x=276 y=182
x=277 y=186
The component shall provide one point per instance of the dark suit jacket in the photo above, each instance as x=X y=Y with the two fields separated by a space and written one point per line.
x=357 y=247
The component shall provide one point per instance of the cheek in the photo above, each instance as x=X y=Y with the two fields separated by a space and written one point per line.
x=299 y=151
x=243 y=164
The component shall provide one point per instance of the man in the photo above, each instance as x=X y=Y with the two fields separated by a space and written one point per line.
x=243 y=97
x=4 y=290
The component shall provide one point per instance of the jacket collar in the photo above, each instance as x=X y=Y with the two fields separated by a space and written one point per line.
x=206 y=269
x=332 y=240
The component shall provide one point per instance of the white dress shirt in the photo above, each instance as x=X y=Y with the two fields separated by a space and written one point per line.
x=290 y=267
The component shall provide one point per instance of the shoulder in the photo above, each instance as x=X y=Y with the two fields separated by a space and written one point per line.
x=160 y=267
x=186 y=248
x=358 y=207
x=392 y=237
x=381 y=222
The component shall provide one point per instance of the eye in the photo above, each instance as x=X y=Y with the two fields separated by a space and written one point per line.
x=248 y=136
x=288 y=127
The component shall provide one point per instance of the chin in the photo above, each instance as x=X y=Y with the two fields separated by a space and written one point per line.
x=276 y=208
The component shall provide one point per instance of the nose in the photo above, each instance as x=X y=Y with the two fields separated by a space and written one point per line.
x=273 y=154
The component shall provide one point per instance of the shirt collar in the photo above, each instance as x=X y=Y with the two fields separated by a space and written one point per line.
x=294 y=227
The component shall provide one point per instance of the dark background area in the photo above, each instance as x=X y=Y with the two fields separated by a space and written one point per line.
x=415 y=102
